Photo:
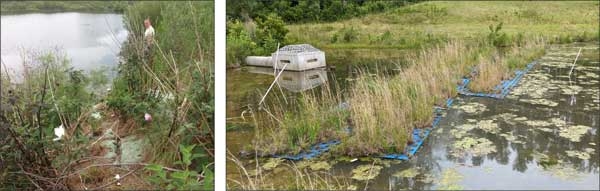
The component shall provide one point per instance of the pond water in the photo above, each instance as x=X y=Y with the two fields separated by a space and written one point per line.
x=543 y=135
x=90 y=41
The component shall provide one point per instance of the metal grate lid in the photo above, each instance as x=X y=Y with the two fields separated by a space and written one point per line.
x=298 y=48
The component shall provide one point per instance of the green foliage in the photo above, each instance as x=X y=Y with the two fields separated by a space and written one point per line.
x=185 y=179
x=239 y=42
x=345 y=35
x=308 y=10
x=244 y=41
x=52 y=94
x=174 y=84
x=497 y=38
x=270 y=31
x=18 y=7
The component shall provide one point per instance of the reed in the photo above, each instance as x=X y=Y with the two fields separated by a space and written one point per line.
x=502 y=64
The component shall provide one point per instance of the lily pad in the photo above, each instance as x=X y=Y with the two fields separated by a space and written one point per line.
x=366 y=172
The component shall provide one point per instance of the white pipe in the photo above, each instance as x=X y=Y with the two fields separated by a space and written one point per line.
x=573 y=67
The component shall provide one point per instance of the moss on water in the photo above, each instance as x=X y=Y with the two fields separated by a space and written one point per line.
x=472 y=108
x=366 y=172
x=488 y=126
x=475 y=147
x=540 y=102
x=322 y=165
x=407 y=173
x=450 y=180
x=272 y=163
x=578 y=154
x=574 y=133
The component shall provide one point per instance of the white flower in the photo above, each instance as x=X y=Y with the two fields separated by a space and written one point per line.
x=59 y=132
x=96 y=115
x=148 y=117
x=118 y=177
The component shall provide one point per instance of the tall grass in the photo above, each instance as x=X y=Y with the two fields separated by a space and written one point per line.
x=386 y=109
x=502 y=64
x=289 y=127
x=174 y=83
x=382 y=110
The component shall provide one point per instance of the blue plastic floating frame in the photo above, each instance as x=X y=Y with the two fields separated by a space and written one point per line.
x=419 y=135
x=503 y=88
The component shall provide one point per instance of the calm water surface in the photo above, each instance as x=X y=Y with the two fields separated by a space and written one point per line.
x=91 y=41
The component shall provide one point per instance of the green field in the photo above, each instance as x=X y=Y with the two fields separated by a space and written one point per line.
x=433 y=22
x=20 y=7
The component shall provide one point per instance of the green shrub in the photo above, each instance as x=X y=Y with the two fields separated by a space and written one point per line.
x=497 y=38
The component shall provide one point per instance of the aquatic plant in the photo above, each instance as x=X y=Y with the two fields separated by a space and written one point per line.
x=366 y=172
x=449 y=180
x=407 y=173
x=295 y=176
x=574 y=133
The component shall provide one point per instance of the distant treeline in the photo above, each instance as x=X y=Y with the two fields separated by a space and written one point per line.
x=15 y=7
x=298 y=11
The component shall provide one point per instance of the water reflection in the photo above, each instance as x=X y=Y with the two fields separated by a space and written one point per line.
x=295 y=81
x=91 y=41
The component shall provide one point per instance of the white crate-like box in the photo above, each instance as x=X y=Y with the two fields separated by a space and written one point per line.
x=299 y=57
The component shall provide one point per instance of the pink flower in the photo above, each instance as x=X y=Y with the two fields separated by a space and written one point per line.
x=147 y=117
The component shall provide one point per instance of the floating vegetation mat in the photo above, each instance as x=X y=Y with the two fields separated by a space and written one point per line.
x=450 y=180
x=366 y=172
x=471 y=108
x=472 y=146
x=408 y=173
x=503 y=88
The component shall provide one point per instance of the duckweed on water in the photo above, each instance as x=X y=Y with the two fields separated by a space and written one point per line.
x=564 y=172
x=538 y=123
x=571 y=90
x=540 y=102
x=476 y=147
x=488 y=126
x=578 y=154
x=574 y=133
x=322 y=165
x=472 y=108
x=450 y=179
x=272 y=163
x=408 y=173
x=366 y=172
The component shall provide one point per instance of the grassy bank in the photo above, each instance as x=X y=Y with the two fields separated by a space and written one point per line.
x=445 y=41
x=430 y=23
x=21 y=7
